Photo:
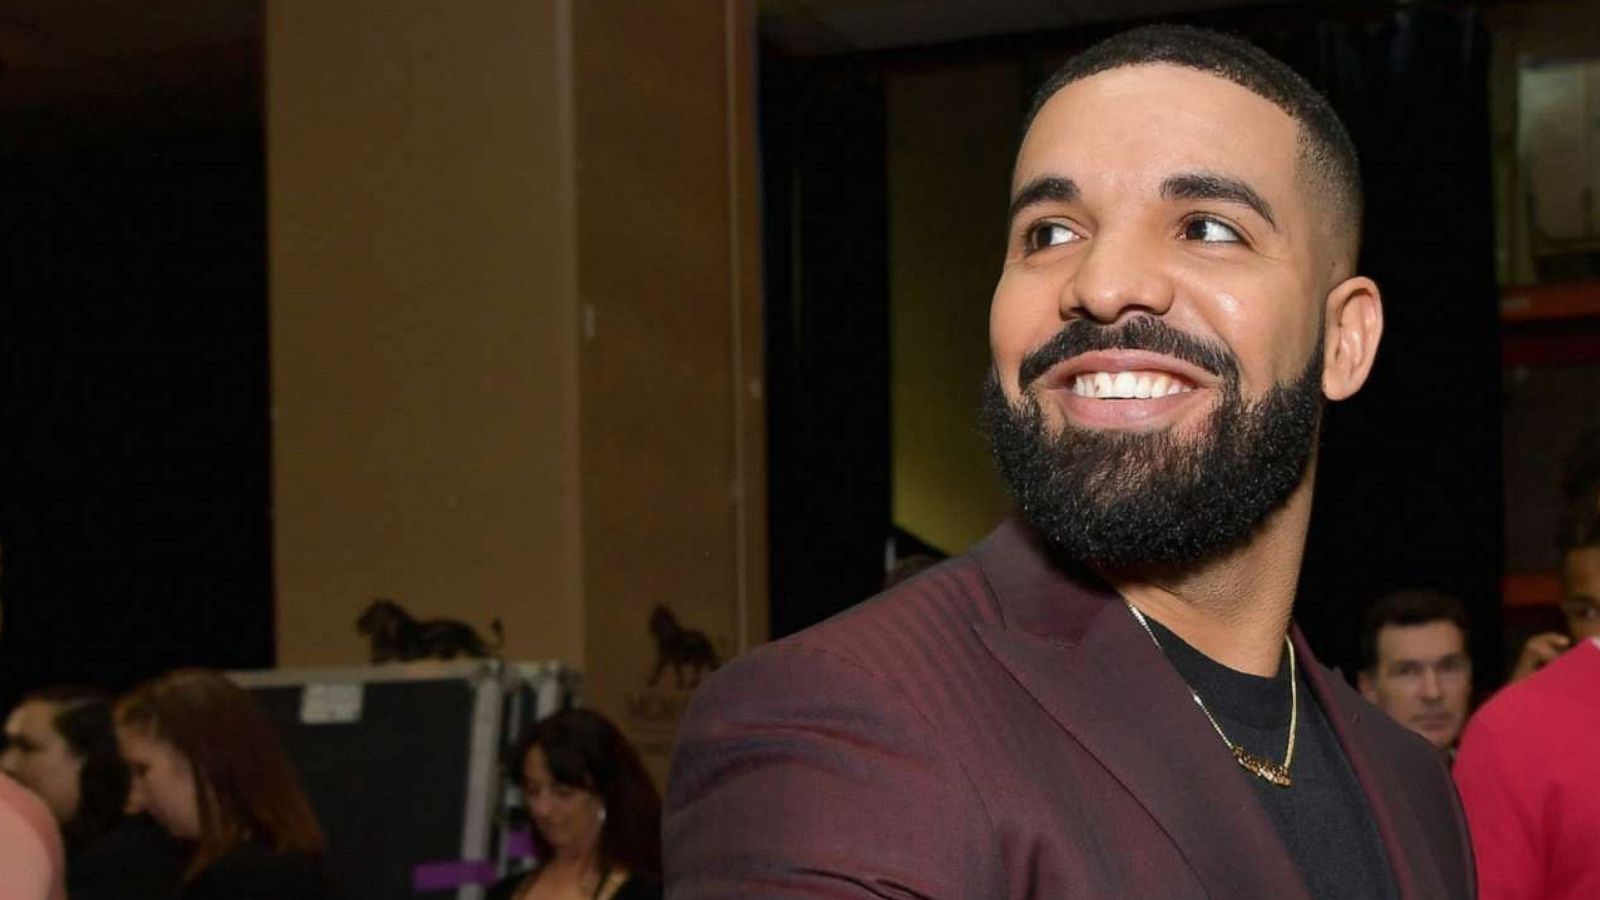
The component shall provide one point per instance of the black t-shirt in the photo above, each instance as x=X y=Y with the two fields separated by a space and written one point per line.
x=637 y=887
x=1323 y=815
x=253 y=872
x=135 y=860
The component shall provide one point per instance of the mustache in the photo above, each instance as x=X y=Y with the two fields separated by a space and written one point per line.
x=1081 y=336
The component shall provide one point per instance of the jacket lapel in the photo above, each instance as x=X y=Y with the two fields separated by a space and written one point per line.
x=1069 y=642
x=1405 y=841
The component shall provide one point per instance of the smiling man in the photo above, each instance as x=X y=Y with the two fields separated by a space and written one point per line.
x=1106 y=698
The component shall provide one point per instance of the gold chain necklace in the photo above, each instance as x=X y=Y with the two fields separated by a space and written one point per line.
x=1264 y=769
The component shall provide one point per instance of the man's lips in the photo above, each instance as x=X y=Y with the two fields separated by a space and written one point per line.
x=1124 y=389
x=1117 y=374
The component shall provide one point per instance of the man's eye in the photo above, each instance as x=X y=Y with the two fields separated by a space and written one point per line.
x=1049 y=234
x=1210 y=231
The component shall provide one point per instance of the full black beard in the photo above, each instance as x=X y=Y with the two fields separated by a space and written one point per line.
x=1139 y=500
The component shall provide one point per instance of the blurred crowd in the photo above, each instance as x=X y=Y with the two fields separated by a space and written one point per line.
x=1523 y=762
x=181 y=789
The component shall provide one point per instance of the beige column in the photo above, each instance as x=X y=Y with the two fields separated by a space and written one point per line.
x=516 y=331
x=673 y=512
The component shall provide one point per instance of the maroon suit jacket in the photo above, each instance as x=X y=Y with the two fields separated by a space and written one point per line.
x=999 y=727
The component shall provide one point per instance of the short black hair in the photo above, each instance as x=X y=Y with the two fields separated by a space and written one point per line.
x=1328 y=156
x=1402 y=608
x=1580 y=489
x=82 y=716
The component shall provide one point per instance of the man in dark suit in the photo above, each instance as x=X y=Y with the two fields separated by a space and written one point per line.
x=1106 y=697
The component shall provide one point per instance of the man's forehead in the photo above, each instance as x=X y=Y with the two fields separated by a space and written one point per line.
x=1582 y=563
x=32 y=713
x=1158 y=113
x=1423 y=639
x=16 y=723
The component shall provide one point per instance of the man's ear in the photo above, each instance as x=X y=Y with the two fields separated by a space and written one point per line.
x=1354 y=323
x=1365 y=685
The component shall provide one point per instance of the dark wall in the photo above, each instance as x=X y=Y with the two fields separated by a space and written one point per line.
x=826 y=313
x=134 y=438
x=1408 y=492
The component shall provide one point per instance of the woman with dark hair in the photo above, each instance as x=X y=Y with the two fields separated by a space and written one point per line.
x=208 y=766
x=60 y=745
x=595 y=811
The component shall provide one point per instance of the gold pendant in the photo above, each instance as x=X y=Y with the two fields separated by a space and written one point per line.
x=1270 y=772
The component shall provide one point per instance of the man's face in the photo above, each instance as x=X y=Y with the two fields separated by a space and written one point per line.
x=1156 y=331
x=1423 y=678
x=1580 y=580
x=39 y=757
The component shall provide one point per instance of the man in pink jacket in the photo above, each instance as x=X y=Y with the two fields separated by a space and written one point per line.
x=1529 y=766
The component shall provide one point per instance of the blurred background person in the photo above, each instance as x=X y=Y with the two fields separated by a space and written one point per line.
x=59 y=744
x=1536 y=651
x=595 y=812
x=207 y=765
x=1579 y=541
x=1526 y=772
x=1415 y=664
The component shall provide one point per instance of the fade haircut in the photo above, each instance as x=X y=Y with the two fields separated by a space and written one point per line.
x=1328 y=163
x=1403 y=608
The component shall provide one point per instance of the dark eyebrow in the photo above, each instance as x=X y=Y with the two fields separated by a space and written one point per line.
x=1044 y=189
x=1211 y=186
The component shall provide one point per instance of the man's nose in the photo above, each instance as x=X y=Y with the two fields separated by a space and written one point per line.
x=1119 y=273
x=1431 y=688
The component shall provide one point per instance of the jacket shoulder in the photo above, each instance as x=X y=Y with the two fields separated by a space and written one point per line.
x=933 y=609
x=794 y=760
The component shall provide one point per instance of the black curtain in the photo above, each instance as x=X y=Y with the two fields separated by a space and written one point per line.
x=827 y=335
x=134 y=439
x=1409 y=488
x=1408 y=494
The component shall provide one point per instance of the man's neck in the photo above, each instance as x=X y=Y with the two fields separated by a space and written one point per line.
x=1235 y=609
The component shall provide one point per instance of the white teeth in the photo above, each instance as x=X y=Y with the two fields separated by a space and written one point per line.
x=1127 y=385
